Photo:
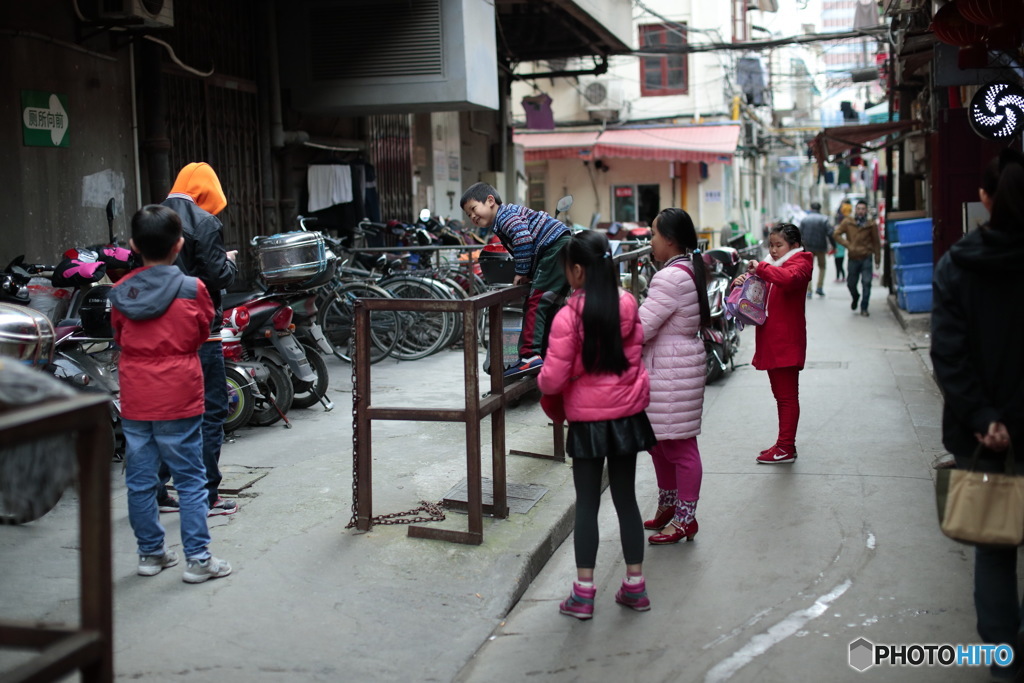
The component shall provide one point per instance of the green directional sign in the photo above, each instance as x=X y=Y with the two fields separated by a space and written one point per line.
x=44 y=119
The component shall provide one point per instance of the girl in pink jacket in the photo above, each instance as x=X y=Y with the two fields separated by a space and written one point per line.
x=672 y=315
x=593 y=362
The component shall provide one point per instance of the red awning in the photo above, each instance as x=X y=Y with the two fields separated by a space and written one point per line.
x=711 y=143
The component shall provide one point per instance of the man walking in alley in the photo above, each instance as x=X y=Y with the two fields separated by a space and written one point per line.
x=859 y=234
x=816 y=232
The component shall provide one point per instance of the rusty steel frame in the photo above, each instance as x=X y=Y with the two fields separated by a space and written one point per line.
x=89 y=648
x=474 y=410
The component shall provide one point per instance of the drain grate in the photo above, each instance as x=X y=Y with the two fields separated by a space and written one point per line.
x=826 y=365
x=521 y=497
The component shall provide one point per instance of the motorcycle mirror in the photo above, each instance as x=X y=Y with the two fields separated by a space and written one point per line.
x=110 y=219
x=425 y=215
x=564 y=204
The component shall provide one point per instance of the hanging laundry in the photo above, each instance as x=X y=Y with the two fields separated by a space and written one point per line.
x=750 y=79
x=328 y=185
x=538 y=112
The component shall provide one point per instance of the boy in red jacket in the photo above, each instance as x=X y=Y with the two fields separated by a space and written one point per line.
x=160 y=318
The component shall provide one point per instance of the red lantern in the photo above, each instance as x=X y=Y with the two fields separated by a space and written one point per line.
x=992 y=12
x=952 y=28
x=1006 y=37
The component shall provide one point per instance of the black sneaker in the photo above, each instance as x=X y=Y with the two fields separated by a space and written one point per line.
x=223 y=507
x=169 y=504
x=856 y=300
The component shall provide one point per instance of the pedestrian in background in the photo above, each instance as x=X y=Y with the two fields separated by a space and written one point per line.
x=781 y=342
x=976 y=352
x=672 y=315
x=535 y=241
x=844 y=210
x=197 y=197
x=594 y=363
x=161 y=318
x=816 y=232
x=859 y=234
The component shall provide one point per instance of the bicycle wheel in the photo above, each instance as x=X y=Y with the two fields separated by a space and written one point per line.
x=337 y=316
x=424 y=332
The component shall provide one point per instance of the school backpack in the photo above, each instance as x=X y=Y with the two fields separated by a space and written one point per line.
x=747 y=304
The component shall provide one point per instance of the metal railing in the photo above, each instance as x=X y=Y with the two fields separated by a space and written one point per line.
x=475 y=408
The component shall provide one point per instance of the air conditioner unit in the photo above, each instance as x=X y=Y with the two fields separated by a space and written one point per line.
x=151 y=13
x=603 y=98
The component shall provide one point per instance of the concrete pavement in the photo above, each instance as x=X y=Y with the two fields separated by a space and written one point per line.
x=790 y=565
x=792 y=562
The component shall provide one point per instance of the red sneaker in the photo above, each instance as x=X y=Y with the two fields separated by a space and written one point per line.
x=776 y=455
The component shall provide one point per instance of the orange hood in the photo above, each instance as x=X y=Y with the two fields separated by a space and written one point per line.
x=198 y=181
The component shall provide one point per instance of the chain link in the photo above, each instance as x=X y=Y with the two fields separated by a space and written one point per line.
x=435 y=510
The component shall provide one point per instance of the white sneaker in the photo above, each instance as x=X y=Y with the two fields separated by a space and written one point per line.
x=197 y=571
x=151 y=565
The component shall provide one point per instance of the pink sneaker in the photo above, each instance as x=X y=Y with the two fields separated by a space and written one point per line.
x=776 y=455
x=580 y=603
x=634 y=596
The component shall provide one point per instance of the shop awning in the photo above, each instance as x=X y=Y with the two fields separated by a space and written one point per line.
x=711 y=143
x=839 y=139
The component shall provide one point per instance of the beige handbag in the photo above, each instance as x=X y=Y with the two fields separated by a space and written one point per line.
x=981 y=508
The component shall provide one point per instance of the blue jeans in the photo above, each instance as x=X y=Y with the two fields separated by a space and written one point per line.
x=211 y=356
x=178 y=445
x=860 y=269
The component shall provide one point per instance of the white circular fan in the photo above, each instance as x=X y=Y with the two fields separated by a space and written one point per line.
x=997 y=110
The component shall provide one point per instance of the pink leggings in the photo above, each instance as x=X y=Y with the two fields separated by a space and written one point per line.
x=677 y=467
x=786 y=389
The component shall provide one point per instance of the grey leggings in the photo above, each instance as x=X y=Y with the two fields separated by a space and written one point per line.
x=586 y=475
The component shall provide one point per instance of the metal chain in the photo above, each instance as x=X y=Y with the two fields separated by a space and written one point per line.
x=433 y=509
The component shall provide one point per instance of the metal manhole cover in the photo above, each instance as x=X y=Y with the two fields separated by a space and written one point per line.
x=521 y=497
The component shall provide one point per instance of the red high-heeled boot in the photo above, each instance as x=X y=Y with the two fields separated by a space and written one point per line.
x=662 y=518
x=687 y=531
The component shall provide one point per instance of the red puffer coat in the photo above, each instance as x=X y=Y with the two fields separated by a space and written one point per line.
x=782 y=341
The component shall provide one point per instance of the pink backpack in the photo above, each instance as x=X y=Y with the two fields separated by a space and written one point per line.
x=748 y=302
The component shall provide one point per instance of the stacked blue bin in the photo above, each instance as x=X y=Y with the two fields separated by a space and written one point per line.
x=912 y=259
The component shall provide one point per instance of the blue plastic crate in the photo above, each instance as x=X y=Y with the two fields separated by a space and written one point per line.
x=911 y=253
x=920 y=274
x=914 y=230
x=914 y=298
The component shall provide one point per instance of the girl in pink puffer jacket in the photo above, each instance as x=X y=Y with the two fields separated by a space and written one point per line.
x=672 y=315
x=593 y=362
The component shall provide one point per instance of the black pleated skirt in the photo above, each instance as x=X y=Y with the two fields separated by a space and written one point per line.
x=611 y=438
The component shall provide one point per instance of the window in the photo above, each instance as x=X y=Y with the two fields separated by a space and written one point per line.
x=663 y=74
x=635 y=203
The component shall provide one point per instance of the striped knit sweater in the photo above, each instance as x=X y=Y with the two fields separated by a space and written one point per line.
x=526 y=232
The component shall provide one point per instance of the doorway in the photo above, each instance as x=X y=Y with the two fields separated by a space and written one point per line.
x=636 y=203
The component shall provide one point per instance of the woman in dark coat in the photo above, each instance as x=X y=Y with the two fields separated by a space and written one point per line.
x=978 y=355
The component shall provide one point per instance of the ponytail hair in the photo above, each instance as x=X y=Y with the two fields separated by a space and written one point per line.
x=602 y=338
x=1008 y=203
x=676 y=226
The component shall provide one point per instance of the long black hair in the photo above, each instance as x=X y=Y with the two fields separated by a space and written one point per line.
x=676 y=226
x=1008 y=203
x=602 y=338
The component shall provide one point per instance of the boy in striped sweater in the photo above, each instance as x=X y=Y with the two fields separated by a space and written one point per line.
x=535 y=240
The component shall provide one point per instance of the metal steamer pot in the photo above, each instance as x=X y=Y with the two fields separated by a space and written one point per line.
x=25 y=334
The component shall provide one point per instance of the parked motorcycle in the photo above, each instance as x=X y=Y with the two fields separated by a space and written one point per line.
x=721 y=338
x=84 y=354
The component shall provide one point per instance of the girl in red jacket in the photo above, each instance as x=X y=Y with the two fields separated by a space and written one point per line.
x=781 y=342
x=593 y=362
